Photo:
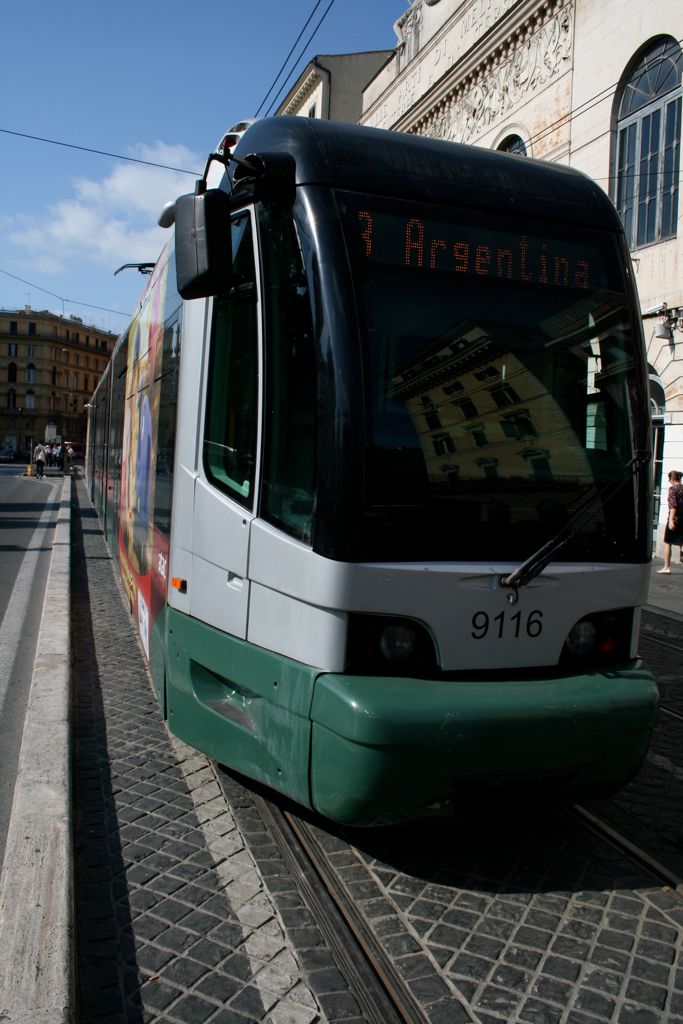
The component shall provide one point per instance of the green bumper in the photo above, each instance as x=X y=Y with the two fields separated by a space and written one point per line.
x=373 y=750
x=385 y=750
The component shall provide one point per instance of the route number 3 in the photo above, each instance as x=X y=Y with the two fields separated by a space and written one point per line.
x=507 y=625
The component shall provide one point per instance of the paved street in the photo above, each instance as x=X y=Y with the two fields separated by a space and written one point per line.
x=27 y=516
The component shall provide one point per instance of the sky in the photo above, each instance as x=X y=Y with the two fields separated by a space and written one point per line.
x=156 y=80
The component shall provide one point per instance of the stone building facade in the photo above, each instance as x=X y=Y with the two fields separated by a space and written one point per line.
x=49 y=368
x=596 y=84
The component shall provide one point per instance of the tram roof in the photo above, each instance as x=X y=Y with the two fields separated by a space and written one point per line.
x=392 y=163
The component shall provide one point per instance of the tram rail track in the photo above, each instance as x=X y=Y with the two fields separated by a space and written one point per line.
x=650 y=635
x=598 y=825
x=668 y=875
x=382 y=993
x=371 y=975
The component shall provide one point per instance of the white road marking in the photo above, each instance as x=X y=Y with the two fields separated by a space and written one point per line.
x=14 y=619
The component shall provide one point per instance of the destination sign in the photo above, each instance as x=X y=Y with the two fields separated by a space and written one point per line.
x=476 y=250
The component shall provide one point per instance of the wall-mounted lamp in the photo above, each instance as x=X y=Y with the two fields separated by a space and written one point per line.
x=671 y=320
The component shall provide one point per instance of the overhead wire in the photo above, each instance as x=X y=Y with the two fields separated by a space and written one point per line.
x=286 y=60
x=62 y=298
x=303 y=50
x=151 y=163
x=97 y=152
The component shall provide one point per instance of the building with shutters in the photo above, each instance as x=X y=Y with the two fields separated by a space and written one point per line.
x=49 y=368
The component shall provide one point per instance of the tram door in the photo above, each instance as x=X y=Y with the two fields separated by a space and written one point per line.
x=226 y=487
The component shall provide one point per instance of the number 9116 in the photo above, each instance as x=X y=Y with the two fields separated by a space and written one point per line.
x=507 y=625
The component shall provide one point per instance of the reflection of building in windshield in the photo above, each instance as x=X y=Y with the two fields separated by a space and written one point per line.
x=480 y=411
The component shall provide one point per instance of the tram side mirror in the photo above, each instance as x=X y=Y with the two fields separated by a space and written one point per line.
x=202 y=244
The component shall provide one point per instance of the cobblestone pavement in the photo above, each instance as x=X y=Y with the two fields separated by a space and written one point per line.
x=186 y=913
x=529 y=921
x=173 y=921
x=650 y=809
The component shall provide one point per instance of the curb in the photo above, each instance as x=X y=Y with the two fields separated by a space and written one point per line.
x=36 y=886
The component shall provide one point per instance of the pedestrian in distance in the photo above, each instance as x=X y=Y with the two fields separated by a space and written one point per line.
x=39 y=458
x=673 y=534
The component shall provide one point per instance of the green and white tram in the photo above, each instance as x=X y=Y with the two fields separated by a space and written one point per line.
x=377 y=483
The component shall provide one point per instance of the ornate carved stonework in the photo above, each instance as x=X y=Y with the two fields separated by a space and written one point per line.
x=488 y=96
x=409 y=33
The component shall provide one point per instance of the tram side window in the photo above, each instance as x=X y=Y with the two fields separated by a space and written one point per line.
x=231 y=412
x=168 y=404
x=118 y=398
x=289 y=431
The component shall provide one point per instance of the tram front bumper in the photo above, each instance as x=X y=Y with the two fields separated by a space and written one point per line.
x=386 y=750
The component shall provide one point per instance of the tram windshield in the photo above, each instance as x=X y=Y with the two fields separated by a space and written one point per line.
x=500 y=384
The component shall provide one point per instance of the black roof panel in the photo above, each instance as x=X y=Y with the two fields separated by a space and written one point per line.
x=395 y=163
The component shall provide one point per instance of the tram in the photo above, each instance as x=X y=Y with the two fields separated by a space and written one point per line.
x=371 y=459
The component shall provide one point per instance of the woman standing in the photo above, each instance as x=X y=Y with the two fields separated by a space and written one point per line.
x=673 y=533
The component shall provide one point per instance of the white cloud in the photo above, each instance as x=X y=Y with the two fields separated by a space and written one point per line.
x=107 y=222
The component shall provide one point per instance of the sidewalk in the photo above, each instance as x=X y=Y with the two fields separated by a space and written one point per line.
x=175 y=920
x=36 y=886
x=666 y=592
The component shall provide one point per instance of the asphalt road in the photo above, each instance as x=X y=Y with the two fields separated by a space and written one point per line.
x=28 y=511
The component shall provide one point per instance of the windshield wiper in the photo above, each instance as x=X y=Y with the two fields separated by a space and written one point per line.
x=535 y=565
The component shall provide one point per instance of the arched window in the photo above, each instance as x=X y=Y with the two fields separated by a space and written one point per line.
x=12 y=373
x=657 y=397
x=30 y=400
x=54 y=376
x=30 y=374
x=513 y=144
x=648 y=144
x=11 y=399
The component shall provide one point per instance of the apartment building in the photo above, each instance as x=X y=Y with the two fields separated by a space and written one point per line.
x=49 y=368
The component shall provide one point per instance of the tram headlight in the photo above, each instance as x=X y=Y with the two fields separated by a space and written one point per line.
x=383 y=645
x=581 y=639
x=600 y=638
x=397 y=642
